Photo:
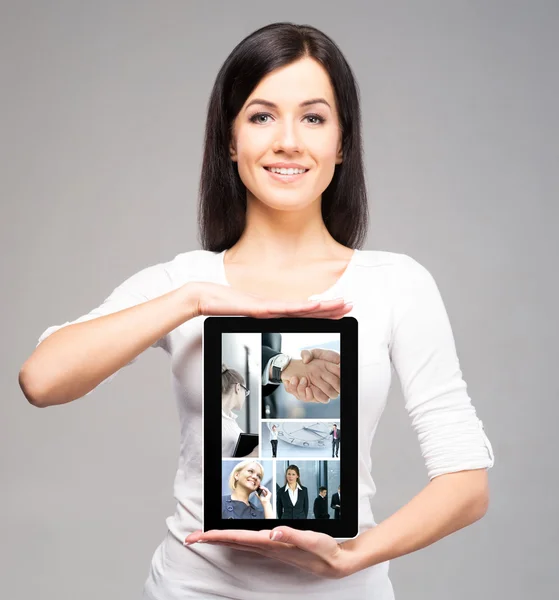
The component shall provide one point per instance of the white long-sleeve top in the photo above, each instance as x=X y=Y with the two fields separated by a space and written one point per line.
x=403 y=328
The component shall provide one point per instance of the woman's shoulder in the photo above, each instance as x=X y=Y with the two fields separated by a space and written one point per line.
x=386 y=259
x=395 y=267
x=158 y=278
x=193 y=265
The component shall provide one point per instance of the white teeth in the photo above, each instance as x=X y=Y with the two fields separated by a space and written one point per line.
x=289 y=171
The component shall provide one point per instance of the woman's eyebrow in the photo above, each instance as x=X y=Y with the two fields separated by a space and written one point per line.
x=272 y=105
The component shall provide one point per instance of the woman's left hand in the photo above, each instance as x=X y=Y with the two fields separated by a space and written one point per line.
x=315 y=552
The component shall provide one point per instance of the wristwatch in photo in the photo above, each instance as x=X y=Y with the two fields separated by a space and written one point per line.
x=279 y=363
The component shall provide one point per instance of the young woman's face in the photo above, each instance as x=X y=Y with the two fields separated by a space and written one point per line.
x=289 y=121
x=250 y=477
x=291 y=476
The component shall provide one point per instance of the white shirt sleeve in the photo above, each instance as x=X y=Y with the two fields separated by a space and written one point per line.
x=423 y=353
x=141 y=287
x=265 y=377
x=230 y=432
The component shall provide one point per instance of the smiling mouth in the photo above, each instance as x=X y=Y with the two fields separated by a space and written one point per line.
x=286 y=172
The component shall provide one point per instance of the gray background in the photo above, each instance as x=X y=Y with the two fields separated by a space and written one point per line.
x=103 y=107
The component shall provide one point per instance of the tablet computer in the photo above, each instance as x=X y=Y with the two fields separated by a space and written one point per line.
x=306 y=451
x=246 y=443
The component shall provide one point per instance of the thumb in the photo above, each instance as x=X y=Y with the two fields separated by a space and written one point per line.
x=307 y=356
x=324 y=354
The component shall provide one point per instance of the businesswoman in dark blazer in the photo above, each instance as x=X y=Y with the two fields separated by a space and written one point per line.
x=293 y=497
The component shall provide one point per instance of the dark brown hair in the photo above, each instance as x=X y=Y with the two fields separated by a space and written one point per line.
x=222 y=200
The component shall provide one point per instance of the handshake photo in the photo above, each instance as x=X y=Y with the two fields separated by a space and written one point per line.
x=315 y=377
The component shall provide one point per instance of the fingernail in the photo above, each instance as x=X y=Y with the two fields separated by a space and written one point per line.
x=201 y=542
x=276 y=535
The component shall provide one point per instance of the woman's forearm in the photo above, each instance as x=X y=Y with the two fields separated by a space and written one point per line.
x=448 y=503
x=76 y=358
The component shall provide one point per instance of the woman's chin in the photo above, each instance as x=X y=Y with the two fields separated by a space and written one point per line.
x=288 y=201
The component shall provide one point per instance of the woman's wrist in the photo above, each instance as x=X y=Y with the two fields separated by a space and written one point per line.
x=190 y=300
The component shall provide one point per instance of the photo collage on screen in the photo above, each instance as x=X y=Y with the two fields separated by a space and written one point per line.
x=280 y=448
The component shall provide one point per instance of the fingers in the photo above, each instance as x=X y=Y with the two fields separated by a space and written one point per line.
x=330 y=356
x=306 y=392
x=320 y=544
x=328 y=309
x=330 y=384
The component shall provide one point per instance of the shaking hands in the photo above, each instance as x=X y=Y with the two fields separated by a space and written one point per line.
x=315 y=377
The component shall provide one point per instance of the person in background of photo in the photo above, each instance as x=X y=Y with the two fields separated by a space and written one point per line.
x=233 y=396
x=336 y=439
x=336 y=504
x=274 y=440
x=246 y=478
x=320 y=508
x=293 y=499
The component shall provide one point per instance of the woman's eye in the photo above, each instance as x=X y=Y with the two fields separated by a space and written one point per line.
x=261 y=118
x=315 y=119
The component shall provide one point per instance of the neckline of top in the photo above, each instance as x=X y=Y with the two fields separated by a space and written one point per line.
x=328 y=292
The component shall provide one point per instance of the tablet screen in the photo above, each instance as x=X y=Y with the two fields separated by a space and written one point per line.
x=274 y=455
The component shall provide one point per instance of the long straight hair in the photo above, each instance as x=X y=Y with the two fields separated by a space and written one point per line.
x=222 y=198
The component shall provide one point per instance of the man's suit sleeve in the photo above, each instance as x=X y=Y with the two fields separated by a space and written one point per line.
x=271 y=346
x=316 y=509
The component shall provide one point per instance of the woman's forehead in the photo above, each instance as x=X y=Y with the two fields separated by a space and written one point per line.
x=294 y=84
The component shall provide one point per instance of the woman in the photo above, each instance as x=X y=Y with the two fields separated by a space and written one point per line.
x=274 y=440
x=245 y=479
x=283 y=213
x=233 y=396
x=292 y=499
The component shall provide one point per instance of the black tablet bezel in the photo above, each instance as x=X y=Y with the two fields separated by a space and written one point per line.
x=347 y=327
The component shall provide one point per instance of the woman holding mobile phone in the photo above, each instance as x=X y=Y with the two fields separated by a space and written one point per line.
x=245 y=479
x=283 y=216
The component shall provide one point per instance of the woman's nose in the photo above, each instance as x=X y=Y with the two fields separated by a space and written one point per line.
x=287 y=139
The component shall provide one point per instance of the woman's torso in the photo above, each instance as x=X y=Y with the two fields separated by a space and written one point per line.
x=299 y=510
x=364 y=283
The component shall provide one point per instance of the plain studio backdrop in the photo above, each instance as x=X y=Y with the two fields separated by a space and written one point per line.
x=102 y=118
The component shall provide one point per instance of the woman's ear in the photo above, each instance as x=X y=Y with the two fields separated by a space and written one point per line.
x=232 y=151
x=339 y=153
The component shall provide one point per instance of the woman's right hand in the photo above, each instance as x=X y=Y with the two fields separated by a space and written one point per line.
x=266 y=496
x=215 y=299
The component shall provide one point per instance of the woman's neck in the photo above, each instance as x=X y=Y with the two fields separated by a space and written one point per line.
x=277 y=237
x=241 y=494
x=227 y=403
x=293 y=486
